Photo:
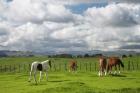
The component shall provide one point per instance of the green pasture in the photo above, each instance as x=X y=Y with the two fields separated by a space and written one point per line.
x=85 y=80
x=65 y=82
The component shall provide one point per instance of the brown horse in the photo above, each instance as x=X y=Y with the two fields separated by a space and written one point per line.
x=102 y=66
x=114 y=61
x=73 y=65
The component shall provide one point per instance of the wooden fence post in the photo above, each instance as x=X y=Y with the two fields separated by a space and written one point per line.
x=29 y=67
x=128 y=65
x=54 y=68
x=95 y=66
x=14 y=68
x=24 y=67
x=133 y=65
x=5 y=68
x=19 y=68
x=1 y=68
x=65 y=67
x=80 y=66
x=86 y=66
x=137 y=65
x=90 y=66
x=10 y=68
x=59 y=66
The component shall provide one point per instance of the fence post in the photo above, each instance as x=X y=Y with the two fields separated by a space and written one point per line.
x=133 y=65
x=65 y=67
x=14 y=68
x=19 y=68
x=90 y=65
x=24 y=67
x=10 y=68
x=59 y=66
x=0 y=68
x=80 y=66
x=86 y=66
x=128 y=65
x=5 y=68
x=29 y=67
x=54 y=68
x=137 y=65
x=95 y=66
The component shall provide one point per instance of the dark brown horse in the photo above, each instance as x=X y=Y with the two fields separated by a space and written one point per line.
x=73 y=65
x=116 y=62
x=102 y=66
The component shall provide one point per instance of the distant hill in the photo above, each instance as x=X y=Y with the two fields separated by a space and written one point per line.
x=5 y=53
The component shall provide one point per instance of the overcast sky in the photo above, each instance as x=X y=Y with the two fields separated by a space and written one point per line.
x=69 y=25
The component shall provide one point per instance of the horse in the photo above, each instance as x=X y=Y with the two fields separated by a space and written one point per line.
x=40 y=66
x=114 y=61
x=73 y=66
x=102 y=66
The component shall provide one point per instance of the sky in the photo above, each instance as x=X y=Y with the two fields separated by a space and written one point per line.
x=69 y=25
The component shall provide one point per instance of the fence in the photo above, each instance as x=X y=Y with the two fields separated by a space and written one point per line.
x=87 y=66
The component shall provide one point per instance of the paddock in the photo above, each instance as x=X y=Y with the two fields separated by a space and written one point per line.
x=82 y=82
x=14 y=73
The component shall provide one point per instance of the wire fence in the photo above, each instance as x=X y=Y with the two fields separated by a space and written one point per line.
x=87 y=66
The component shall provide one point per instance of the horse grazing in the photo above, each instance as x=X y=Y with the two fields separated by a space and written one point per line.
x=73 y=66
x=40 y=66
x=102 y=66
x=114 y=61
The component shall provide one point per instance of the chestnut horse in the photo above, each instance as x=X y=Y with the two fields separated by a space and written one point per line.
x=102 y=66
x=73 y=65
x=116 y=62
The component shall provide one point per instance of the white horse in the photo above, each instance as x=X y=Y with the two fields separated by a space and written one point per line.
x=41 y=66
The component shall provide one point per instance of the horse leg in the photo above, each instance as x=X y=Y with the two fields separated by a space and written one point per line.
x=115 y=69
x=69 y=69
x=30 y=76
x=35 y=77
x=46 y=75
x=40 y=77
x=119 y=69
x=110 y=69
x=99 y=73
x=105 y=72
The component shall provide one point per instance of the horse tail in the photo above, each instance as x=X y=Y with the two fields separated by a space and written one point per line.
x=122 y=65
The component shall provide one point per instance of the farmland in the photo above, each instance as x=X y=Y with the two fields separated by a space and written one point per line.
x=85 y=80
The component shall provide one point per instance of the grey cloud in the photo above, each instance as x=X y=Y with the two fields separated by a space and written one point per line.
x=130 y=47
x=126 y=1
x=3 y=32
x=105 y=28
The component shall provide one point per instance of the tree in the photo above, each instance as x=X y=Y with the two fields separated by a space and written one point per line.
x=86 y=55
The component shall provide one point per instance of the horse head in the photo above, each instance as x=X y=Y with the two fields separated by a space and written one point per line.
x=50 y=63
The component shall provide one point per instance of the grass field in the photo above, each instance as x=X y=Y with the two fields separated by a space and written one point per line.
x=80 y=82
x=61 y=81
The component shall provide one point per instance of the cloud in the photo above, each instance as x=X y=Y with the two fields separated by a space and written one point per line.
x=125 y=1
x=121 y=15
x=73 y=2
x=34 y=25
x=36 y=11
